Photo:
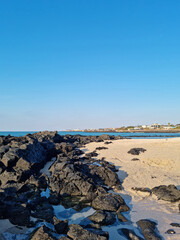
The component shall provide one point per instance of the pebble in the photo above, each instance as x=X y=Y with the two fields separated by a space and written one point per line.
x=170 y=231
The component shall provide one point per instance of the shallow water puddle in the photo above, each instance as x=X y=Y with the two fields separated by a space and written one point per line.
x=45 y=193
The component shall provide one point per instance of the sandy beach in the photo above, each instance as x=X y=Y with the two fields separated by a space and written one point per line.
x=158 y=165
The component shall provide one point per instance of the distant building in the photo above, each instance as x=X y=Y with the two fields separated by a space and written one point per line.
x=167 y=127
x=145 y=126
x=155 y=126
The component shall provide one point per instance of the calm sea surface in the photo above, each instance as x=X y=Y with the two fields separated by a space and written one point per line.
x=128 y=134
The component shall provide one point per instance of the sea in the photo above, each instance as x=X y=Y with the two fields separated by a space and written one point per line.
x=123 y=134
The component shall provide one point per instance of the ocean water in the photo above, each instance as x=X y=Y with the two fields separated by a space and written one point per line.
x=124 y=134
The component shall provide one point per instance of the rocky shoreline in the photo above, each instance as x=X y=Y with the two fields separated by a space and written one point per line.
x=75 y=181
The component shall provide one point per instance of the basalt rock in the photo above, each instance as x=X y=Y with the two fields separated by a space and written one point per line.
x=146 y=190
x=76 y=232
x=121 y=217
x=23 y=164
x=18 y=214
x=175 y=224
x=92 y=154
x=107 y=142
x=149 y=229
x=135 y=159
x=103 y=175
x=103 y=217
x=65 y=238
x=167 y=193
x=60 y=225
x=101 y=148
x=136 y=151
x=42 y=233
x=10 y=158
x=8 y=176
x=108 y=202
x=170 y=231
x=130 y=235
x=40 y=208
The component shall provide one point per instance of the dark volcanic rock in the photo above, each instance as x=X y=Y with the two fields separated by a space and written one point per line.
x=92 y=154
x=10 y=158
x=76 y=232
x=135 y=159
x=141 y=189
x=54 y=198
x=42 y=209
x=123 y=208
x=60 y=225
x=103 y=217
x=34 y=152
x=149 y=229
x=103 y=175
x=18 y=215
x=42 y=233
x=136 y=151
x=3 y=210
x=108 y=202
x=23 y=164
x=101 y=148
x=130 y=235
x=107 y=142
x=2 y=167
x=175 y=224
x=8 y=176
x=121 y=217
x=167 y=193
x=65 y=238
x=170 y=231
x=68 y=179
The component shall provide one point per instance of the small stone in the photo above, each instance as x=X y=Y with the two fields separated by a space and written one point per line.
x=175 y=224
x=135 y=159
x=170 y=231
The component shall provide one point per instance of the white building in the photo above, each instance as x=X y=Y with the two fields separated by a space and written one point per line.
x=145 y=126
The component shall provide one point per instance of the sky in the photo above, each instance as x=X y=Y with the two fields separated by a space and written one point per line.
x=68 y=64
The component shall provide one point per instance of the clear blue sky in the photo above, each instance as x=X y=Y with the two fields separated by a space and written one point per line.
x=88 y=63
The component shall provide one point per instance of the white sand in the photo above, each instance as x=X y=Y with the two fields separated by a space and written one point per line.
x=159 y=165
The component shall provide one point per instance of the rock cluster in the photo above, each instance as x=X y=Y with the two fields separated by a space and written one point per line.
x=74 y=180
